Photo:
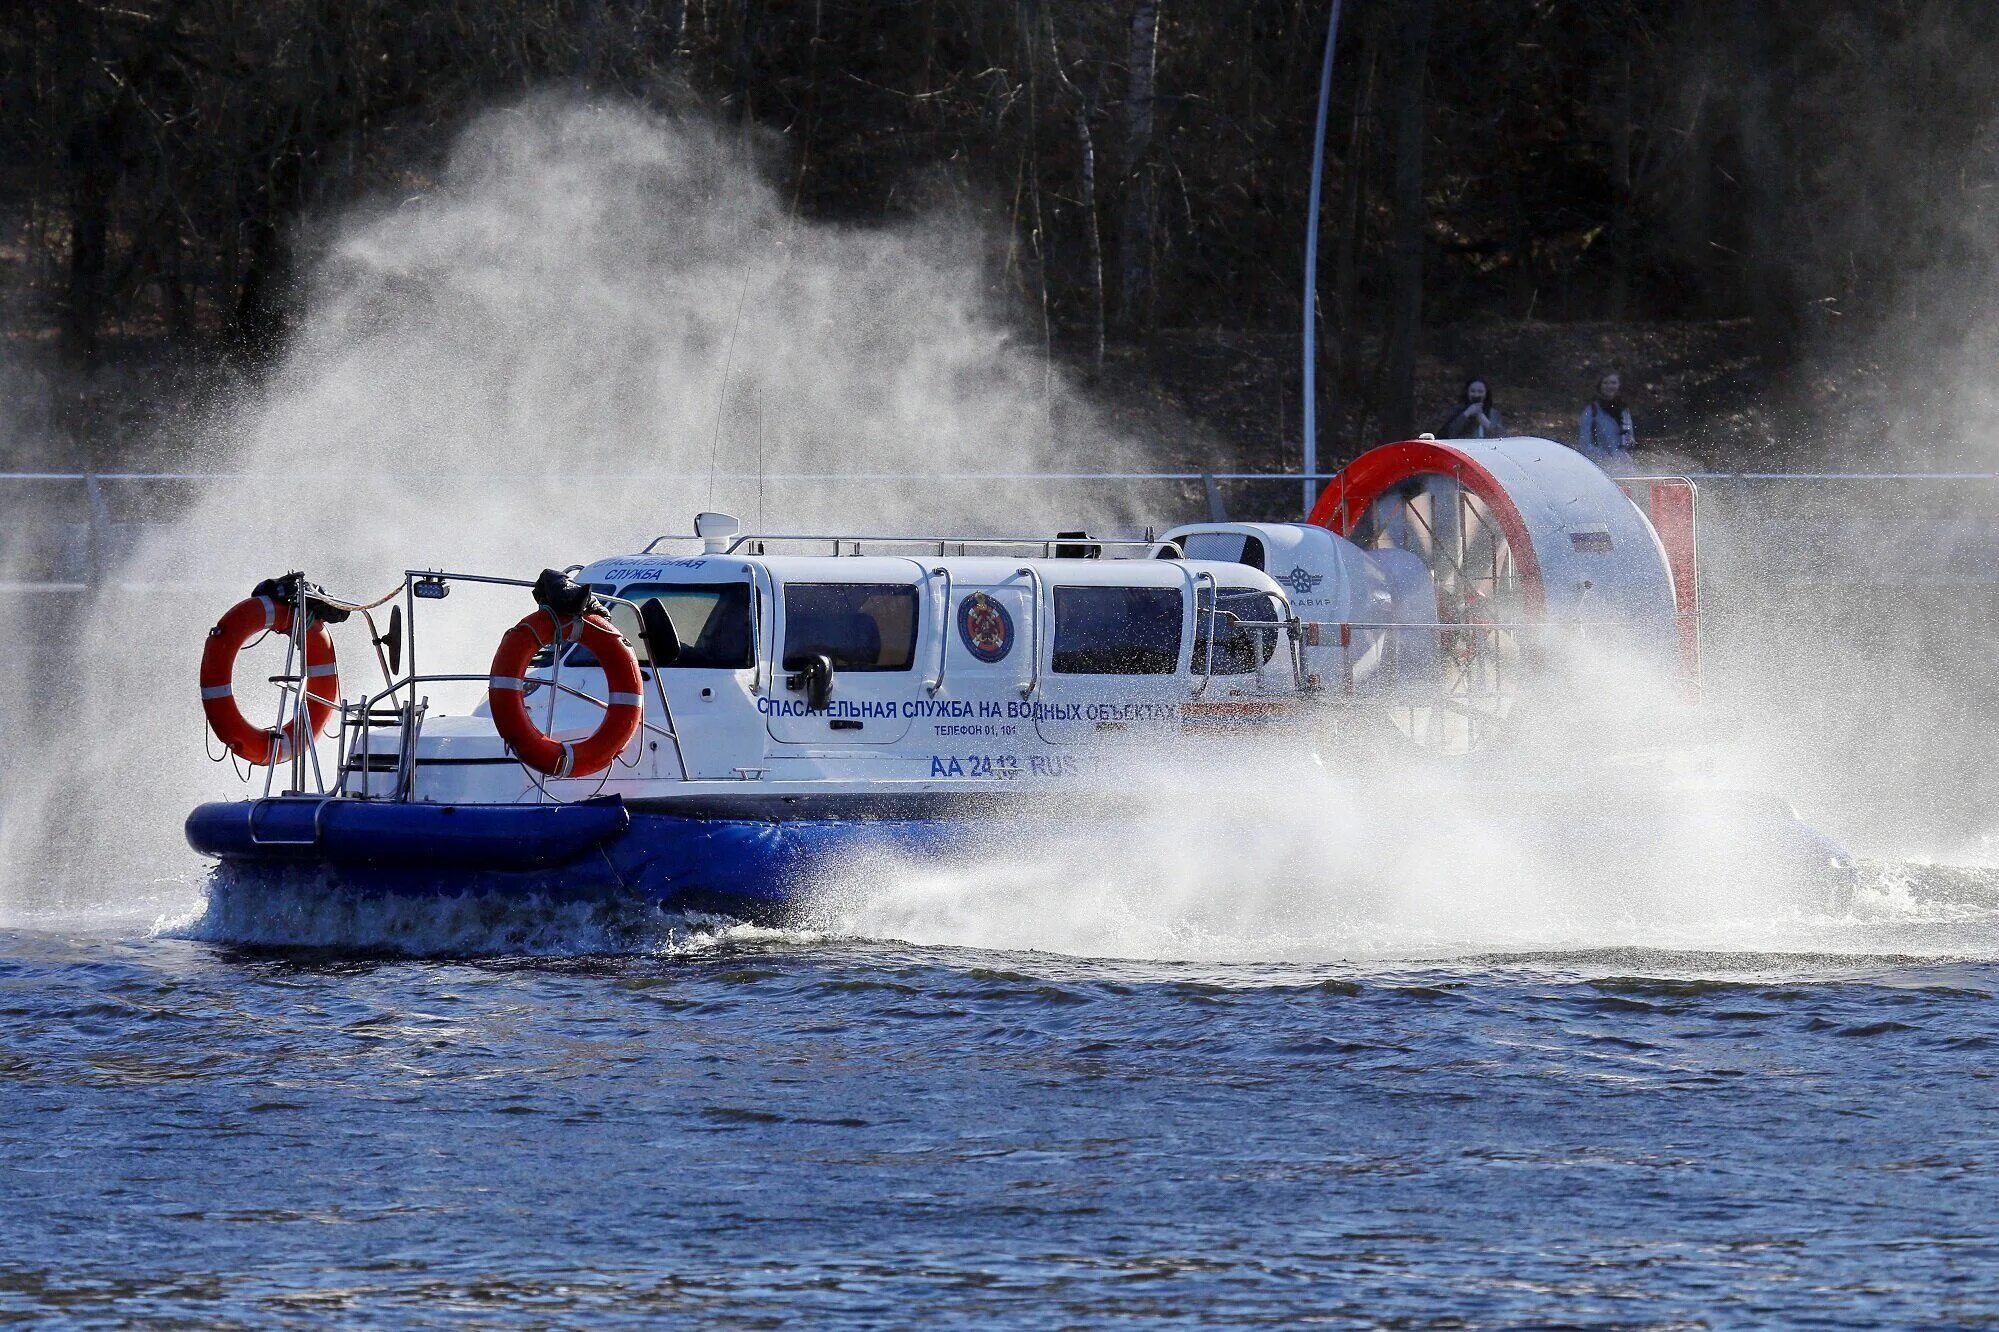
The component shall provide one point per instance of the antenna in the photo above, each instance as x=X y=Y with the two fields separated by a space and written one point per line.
x=722 y=400
x=760 y=457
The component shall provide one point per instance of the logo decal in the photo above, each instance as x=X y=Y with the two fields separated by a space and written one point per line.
x=986 y=627
x=1300 y=579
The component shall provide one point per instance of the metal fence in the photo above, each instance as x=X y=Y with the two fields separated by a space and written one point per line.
x=69 y=530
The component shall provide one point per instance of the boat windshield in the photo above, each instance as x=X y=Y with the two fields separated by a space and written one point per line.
x=1226 y=547
x=712 y=621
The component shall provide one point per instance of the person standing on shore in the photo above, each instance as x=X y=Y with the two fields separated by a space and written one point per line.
x=1605 y=436
x=1477 y=415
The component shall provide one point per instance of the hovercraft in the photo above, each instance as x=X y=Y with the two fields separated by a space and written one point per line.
x=721 y=720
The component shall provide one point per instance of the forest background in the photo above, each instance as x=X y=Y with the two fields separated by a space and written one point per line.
x=1776 y=217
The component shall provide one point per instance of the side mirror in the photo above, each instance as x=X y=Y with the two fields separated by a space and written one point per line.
x=391 y=641
x=813 y=674
x=662 y=640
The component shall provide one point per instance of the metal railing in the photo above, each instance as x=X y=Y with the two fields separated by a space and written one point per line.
x=1047 y=545
x=70 y=531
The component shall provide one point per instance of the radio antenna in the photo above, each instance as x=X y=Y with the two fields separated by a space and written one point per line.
x=721 y=401
x=760 y=457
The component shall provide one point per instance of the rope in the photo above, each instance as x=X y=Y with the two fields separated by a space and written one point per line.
x=382 y=600
x=613 y=868
x=534 y=778
x=351 y=606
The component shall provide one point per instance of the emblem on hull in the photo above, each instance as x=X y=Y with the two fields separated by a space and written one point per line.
x=985 y=627
x=1300 y=580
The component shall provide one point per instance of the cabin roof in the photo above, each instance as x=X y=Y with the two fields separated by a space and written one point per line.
x=1277 y=538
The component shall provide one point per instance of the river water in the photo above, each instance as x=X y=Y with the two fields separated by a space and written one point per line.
x=633 y=1121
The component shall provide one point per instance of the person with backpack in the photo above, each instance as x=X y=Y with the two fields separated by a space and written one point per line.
x=1605 y=436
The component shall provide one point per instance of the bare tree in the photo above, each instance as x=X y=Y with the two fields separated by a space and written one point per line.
x=1135 y=235
x=1086 y=149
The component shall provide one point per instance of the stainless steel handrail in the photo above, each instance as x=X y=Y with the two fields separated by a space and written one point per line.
x=944 y=620
x=1509 y=626
x=658 y=677
x=293 y=668
x=1214 y=602
x=763 y=659
x=360 y=719
x=1289 y=621
x=1046 y=544
x=924 y=573
x=414 y=680
x=406 y=750
x=313 y=840
x=446 y=575
x=1036 y=615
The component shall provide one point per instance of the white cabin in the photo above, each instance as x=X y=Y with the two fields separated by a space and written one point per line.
x=1432 y=579
x=940 y=669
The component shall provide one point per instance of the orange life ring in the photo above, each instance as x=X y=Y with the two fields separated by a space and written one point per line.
x=264 y=745
x=506 y=694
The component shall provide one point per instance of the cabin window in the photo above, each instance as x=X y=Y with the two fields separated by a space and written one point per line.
x=1117 y=630
x=1243 y=644
x=861 y=626
x=711 y=620
x=1224 y=547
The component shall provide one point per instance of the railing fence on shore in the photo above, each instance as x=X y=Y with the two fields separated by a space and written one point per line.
x=68 y=530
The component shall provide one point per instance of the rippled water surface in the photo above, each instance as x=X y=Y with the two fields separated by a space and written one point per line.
x=758 y=1127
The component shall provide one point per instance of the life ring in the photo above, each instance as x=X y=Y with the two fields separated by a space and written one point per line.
x=506 y=694
x=262 y=745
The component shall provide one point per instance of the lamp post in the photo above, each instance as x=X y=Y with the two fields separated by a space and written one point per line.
x=1311 y=415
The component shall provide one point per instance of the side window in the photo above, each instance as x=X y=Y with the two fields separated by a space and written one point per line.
x=1223 y=546
x=1245 y=623
x=1226 y=548
x=861 y=626
x=1117 y=630
x=712 y=621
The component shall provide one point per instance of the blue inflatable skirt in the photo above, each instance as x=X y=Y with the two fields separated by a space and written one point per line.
x=748 y=866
